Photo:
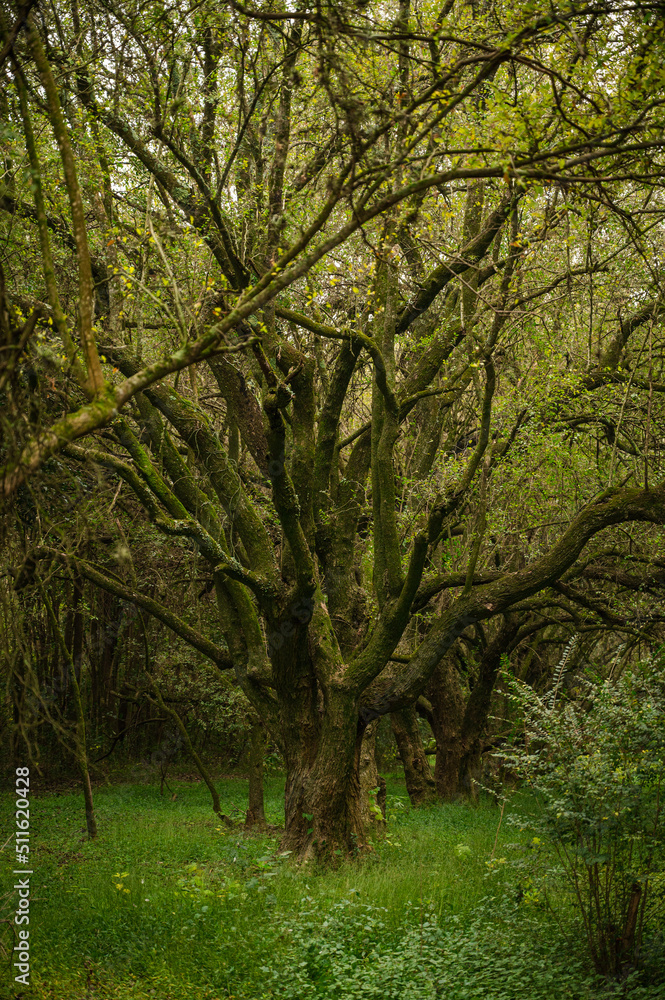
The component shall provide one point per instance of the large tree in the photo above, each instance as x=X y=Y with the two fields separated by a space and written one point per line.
x=411 y=257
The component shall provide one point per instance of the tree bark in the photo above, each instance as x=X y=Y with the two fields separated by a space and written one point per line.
x=419 y=781
x=459 y=725
x=446 y=699
x=256 y=813
x=323 y=800
x=372 y=785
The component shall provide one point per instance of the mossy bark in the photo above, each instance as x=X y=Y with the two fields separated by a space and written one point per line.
x=447 y=701
x=372 y=785
x=460 y=721
x=323 y=802
x=419 y=780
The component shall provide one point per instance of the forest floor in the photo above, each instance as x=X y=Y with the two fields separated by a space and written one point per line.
x=168 y=903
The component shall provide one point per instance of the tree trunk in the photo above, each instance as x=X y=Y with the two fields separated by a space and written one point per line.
x=90 y=820
x=372 y=785
x=447 y=702
x=458 y=763
x=447 y=768
x=323 y=801
x=82 y=757
x=255 y=812
x=460 y=728
x=80 y=749
x=419 y=781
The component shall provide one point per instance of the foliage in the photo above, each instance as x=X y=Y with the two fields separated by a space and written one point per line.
x=498 y=952
x=210 y=914
x=598 y=767
x=356 y=308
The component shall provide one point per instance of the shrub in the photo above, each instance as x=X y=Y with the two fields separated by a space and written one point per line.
x=597 y=766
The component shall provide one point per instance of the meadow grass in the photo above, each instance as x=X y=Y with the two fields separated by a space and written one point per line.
x=170 y=903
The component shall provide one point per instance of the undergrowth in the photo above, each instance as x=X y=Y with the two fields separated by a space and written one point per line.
x=170 y=904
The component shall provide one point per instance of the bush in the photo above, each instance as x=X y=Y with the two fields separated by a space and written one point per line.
x=597 y=766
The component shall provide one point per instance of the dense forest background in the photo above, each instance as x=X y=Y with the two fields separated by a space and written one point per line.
x=331 y=394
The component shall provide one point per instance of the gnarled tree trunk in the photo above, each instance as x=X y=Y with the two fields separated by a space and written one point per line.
x=323 y=800
x=372 y=785
x=447 y=705
x=419 y=781
x=460 y=727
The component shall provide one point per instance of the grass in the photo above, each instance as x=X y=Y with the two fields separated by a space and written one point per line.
x=168 y=903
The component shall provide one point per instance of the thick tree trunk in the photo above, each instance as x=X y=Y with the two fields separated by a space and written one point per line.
x=323 y=799
x=447 y=702
x=255 y=811
x=447 y=769
x=460 y=728
x=419 y=781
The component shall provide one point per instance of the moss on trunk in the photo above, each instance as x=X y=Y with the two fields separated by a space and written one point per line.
x=419 y=781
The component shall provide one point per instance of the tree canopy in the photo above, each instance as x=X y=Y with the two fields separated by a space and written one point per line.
x=360 y=305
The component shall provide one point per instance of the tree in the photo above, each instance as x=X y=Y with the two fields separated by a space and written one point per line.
x=430 y=239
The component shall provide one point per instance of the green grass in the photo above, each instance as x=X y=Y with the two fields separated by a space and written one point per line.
x=168 y=903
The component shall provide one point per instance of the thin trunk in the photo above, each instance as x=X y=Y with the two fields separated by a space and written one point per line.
x=86 y=296
x=255 y=813
x=80 y=751
x=372 y=785
x=627 y=940
x=202 y=769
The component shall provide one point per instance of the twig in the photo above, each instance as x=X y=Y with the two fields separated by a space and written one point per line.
x=496 y=838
